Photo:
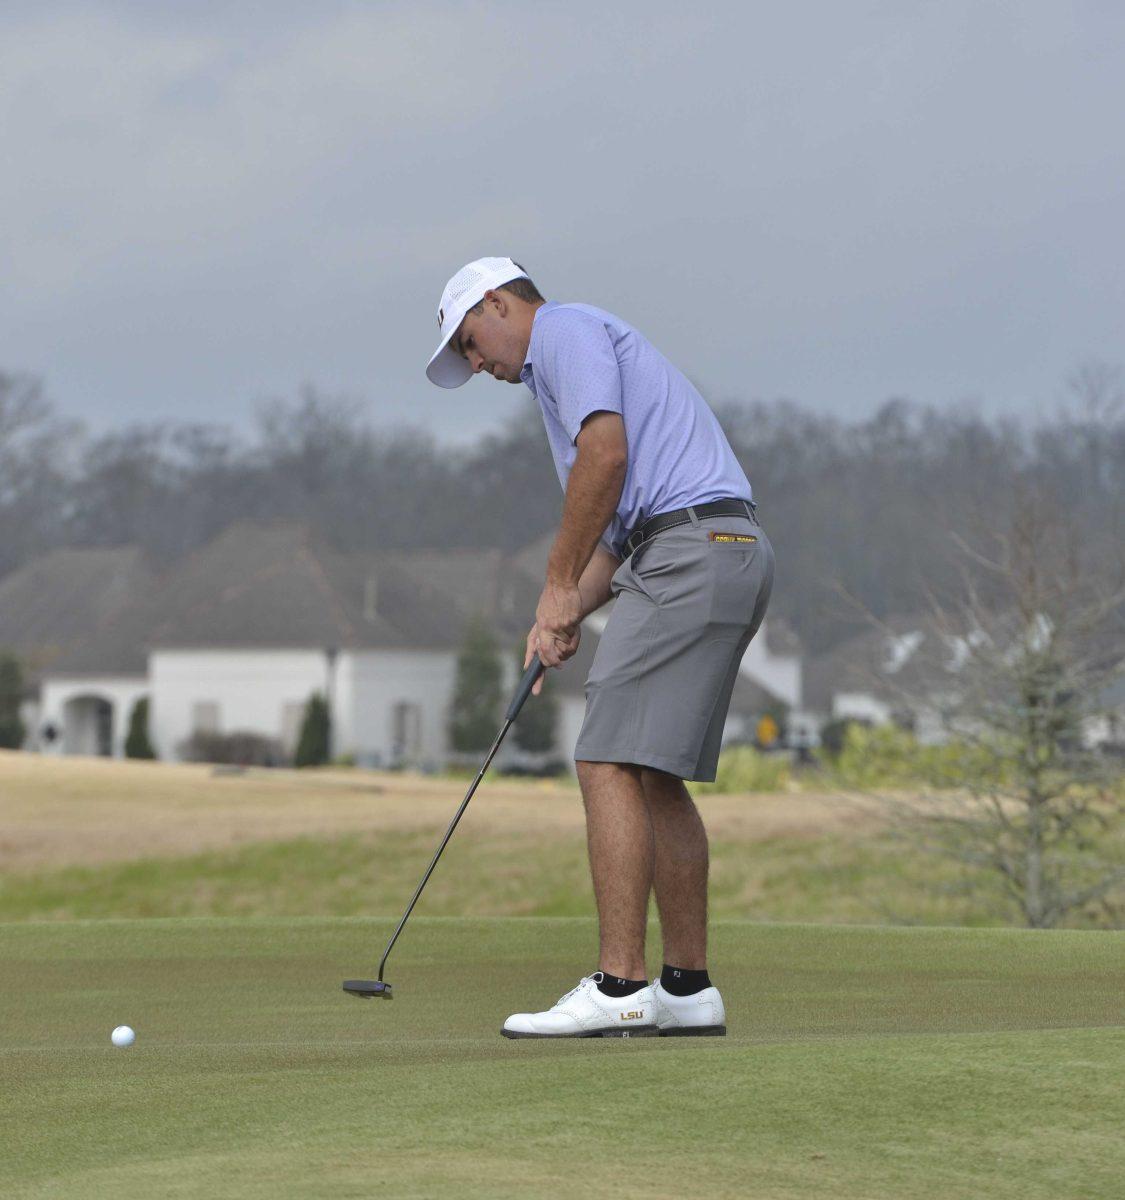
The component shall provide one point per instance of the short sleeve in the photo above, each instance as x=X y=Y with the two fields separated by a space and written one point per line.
x=576 y=361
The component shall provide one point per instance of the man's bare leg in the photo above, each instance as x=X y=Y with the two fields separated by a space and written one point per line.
x=620 y=841
x=680 y=869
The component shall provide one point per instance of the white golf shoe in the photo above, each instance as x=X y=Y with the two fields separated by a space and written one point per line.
x=698 y=1015
x=586 y=1012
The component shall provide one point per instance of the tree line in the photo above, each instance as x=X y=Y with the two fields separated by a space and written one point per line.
x=864 y=514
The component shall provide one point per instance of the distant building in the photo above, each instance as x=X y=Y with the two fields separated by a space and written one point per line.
x=911 y=671
x=902 y=671
x=239 y=634
x=53 y=604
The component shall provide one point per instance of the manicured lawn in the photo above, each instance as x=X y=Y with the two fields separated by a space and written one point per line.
x=862 y=878
x=862 y=1063
x=89 y=838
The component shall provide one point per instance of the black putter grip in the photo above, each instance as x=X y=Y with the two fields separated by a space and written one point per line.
x=534 y=670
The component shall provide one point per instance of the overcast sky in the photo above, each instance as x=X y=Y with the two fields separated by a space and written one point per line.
x=203 y=204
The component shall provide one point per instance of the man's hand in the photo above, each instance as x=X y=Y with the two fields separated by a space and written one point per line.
x=533 y=649
x=556 y=632
x=557 y=620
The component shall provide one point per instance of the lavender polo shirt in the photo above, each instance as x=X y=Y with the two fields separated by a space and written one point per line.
x=583 y=360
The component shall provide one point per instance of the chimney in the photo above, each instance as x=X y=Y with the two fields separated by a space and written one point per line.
x=370 y=597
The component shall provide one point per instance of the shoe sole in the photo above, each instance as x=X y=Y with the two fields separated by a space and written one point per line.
x=695 y=1031
x=636 y=1031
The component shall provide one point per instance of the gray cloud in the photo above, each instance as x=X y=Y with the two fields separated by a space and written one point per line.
x=831 y=202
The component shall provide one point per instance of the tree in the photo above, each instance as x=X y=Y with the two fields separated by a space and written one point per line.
x=537 y=726
x=475 y=713
x=137 y=744
x=12 y=729
x=314 y=743
x=1037 y=806
x=35 y=455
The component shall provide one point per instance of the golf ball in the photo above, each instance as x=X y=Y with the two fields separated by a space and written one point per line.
x=123 y=1036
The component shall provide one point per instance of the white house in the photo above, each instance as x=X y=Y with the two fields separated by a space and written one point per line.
x=917 y=670
x=242 y=632
x=49 y=606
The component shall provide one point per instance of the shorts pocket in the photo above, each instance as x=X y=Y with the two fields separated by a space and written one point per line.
x=663 y=566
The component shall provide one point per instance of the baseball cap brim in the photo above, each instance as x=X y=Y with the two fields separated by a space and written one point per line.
x=447 y=368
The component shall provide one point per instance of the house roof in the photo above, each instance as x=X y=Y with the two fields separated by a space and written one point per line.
x=277 y=585
x=63 y=598
x=908 y=658
x=272 y=584
x=905 y=653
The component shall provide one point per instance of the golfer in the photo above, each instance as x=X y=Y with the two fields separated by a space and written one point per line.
x=659 y=515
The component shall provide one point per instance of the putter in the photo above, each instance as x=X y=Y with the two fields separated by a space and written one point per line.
x=369 y=989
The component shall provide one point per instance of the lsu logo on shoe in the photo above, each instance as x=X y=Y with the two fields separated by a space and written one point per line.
x=715 y=536
x=632 y=1016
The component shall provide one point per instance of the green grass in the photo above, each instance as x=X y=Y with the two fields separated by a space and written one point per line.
x=864 y=879
x=862 y=1063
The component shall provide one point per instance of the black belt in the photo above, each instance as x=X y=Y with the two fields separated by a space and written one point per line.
x=682 y=516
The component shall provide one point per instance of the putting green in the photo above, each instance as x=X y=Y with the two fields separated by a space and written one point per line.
x=862 y=1062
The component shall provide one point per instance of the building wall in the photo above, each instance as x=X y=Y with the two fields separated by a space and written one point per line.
x=251 y=690
x=779 y=674
x=372 y=684
x=65 y=703
x=859 y=706
x=572 y=710
x=394 y=705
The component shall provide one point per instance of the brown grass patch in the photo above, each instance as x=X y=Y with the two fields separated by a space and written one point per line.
x=57 y=812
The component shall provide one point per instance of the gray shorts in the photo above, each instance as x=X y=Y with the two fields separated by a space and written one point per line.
x=687 y=604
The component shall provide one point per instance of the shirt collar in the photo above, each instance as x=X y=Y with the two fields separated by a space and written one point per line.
x=528 y=363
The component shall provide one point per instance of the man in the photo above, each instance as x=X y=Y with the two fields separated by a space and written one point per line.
x=658 y=514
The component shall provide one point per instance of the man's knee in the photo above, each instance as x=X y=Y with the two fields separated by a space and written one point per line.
x=596 y=776
x=662 y=786
x=589 y=766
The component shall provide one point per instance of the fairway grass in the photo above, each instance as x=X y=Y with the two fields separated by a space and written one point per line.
x=488 y=872
x=91 y=838
x=863 y=1063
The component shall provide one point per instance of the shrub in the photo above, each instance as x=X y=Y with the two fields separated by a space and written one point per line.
x=11 y=691
x=551 y=768
x=241 y=748
x=137 y=744
x=475 y=713
x=316 y=728
x=887 y=756
x=833 y=732
x=744 y=769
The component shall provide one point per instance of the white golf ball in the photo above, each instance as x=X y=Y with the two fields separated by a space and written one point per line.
x=123 y=1036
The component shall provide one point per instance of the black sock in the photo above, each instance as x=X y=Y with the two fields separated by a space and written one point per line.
x=677 y=981
x=611 y=985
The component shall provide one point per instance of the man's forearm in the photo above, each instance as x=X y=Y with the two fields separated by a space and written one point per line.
x=594 y=587
x=592 y=492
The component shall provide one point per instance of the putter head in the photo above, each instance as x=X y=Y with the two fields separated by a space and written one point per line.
x=368 y=989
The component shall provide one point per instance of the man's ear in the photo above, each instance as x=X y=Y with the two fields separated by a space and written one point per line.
x=498 y=301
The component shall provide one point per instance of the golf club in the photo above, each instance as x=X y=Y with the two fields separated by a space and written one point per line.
x=368 y=989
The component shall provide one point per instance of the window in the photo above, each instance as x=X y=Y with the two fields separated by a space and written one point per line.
x=406 y=732
x=205 y=716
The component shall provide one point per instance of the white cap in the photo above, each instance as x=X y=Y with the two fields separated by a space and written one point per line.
x=447 y=368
